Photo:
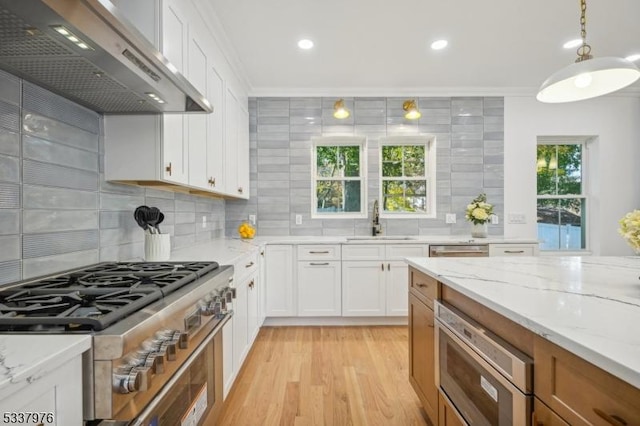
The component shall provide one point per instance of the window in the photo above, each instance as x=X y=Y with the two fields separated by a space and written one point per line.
x=338 y=177
x=407 y=176
x=561 y=193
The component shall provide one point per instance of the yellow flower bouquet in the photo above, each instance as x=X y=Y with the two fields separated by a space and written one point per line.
x=479 y=211
x=630 y=229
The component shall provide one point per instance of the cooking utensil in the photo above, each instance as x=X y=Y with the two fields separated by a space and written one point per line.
x=152 y=218
x=140 y=215
x=160 y=220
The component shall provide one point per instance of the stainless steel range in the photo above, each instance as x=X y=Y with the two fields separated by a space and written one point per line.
x=156 y=356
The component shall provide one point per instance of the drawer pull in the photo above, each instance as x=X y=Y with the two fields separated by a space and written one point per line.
x=319 y=264
x=421 y=285
x=514 y=251
x=168 y=168
x=612 y=419
x=249 y=265
x=319 y=252
x=251 y=284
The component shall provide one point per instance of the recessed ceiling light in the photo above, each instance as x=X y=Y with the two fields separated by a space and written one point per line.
x=305 y=44
x=633 y=58
x=439 y=44
x=572 y=43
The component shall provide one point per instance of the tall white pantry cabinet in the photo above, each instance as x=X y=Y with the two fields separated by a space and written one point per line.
x=201 y=153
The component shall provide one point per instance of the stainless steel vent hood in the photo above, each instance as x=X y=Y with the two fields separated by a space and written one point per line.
x=86 y=51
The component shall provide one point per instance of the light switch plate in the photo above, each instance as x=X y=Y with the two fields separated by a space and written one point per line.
x=298 y=219
x=252 y=219
x=450 y=218
x=204 y=221
x=494 y=219
x=517 y=218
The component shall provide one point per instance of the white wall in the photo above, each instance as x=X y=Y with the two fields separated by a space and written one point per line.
x=613 y=174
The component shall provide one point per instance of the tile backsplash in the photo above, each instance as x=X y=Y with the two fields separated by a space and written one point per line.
x=56 y=209
x=469 y=135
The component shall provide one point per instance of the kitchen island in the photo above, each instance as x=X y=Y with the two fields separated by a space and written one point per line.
x=579 y=308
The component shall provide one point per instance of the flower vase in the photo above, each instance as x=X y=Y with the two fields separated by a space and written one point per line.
x=479 y=230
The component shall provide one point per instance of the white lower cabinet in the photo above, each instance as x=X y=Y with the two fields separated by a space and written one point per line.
x=397 y=277
x=58 y=392
x=319 y=288
x=240 y=327
x=363 y=288
x=253 y=324
x=279 y=285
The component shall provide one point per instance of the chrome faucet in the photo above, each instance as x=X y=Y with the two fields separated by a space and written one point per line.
x=376 y=229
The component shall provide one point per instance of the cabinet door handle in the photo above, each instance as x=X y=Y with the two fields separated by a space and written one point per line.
x=240 y=190
x=249 y=265
x=612 y=419
x=319 y=252
x=514 y=251
x=388 y=266
x=319 y=264
x=382 y=267
x=212 y=181
x=168 y=168
x=421 y=285
x=252 y=284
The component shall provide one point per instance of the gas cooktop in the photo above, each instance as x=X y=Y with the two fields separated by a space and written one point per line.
x=95 y=297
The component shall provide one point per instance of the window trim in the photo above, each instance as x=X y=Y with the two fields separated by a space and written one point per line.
x=584 y=141
x=429 y=142
x=342 y=140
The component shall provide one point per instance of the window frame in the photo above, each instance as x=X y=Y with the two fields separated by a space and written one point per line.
x=342 y=140
x=584 y=142
x=429 y=142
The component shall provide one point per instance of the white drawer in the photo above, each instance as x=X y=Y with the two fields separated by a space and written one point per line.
x=400 y=251
x=246 y=266
x=319 y=252
x=513 y=250
x=363 y=252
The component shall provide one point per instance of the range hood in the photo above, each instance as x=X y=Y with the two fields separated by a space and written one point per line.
x=86 y=51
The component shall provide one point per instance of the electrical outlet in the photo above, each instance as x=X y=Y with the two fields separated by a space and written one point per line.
x=204 y=221
x=517 y=218
x=450 y=218
x=252 y=219
x=494 y=219
x=298 y=219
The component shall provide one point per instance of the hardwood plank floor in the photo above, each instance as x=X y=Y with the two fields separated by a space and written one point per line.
x=333 y=376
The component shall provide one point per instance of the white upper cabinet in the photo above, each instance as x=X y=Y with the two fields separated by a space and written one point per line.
x=202 y=152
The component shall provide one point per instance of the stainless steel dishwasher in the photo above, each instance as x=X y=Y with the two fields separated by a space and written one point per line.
x=459 y=250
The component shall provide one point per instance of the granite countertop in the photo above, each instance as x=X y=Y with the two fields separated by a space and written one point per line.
x=26 y=358
x=587 y=305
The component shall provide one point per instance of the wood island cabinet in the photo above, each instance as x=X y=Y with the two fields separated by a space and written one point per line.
x=422 y=293
x=447 y=415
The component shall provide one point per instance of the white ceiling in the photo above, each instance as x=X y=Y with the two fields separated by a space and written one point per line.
x=382 y=46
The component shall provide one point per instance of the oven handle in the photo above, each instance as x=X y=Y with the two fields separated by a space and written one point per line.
x=176 y=376
x=521 y=402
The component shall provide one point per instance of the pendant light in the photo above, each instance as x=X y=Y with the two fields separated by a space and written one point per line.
x=412 y=110
x=587 y=77
x=339 y=110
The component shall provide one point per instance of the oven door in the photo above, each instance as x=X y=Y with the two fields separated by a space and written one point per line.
x=478 y=391
x=195 y=391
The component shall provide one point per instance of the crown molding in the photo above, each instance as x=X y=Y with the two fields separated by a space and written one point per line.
x=284 y=92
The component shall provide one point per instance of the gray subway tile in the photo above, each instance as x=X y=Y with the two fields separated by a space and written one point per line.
x=9 y=196
x=40 y=245
x=110 y=237
x=120 y=201
x=10 y=271
x=122 y=252
x=41 y=221
x=45 y=265
x=9 y=221
x=118 y=219
x=9 y=116
x=9 y=142
x=9 y=169
x=10 y=88
x=55 y=131
x=40 y=197
x=9 y=248
x=51 y=152
x=46 y=174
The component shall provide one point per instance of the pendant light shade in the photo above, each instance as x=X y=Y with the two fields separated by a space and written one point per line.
x=412 y=111
x=339 y=110
x=587 y=77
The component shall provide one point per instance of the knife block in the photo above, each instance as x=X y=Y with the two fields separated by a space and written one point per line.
x=157 y=247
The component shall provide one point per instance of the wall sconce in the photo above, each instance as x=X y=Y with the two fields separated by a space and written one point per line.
x=412 y=110
x=339 y=110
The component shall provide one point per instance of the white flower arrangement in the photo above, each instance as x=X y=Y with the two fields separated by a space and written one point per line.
x=630 y=229
x=479 y=211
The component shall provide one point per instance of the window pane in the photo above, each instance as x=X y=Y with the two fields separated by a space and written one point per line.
x=418 y=187
x=391 y=153
x=338 y=196
x=393 y=203
x=416 y=204
x=569 y=169
x=546 y=166
x=414 y=153
x=414 y=168
x=392 y=169
x=350 y=160
x=561 y=224
x=327 y=161
x=392 y=188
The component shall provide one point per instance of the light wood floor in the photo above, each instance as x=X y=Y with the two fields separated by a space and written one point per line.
x=325 y=376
